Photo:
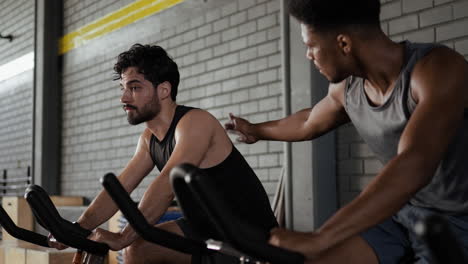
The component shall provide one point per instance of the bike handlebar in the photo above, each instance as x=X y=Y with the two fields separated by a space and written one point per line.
x=63 y=230
x=21 y=233
x=147 y=231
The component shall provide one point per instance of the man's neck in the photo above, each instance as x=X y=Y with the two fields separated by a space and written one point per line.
x=161 y=123
x=380 y=65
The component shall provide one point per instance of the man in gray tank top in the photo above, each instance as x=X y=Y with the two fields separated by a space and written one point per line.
x=409 y=103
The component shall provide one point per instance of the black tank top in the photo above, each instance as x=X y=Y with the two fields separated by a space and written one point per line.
x=234 y=175
x=162 y=150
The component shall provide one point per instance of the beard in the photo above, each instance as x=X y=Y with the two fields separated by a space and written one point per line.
x=147 y=113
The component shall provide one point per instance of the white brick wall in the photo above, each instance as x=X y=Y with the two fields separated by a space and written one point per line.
x=80 y=12
x=443 y=21
x=17 y=19
x=229 y=61
x=237 y=65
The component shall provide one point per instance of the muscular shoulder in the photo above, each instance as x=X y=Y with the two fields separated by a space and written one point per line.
x=143 y=142
x=442 y=60
x=442 y=70
x=197 y=119
x=198 y=115
x=146 y=135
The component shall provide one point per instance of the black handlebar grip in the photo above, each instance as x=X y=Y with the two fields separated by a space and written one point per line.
x=63 y=230
x=142 y=227
x=20 y=233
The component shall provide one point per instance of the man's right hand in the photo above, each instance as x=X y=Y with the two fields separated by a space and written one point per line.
x=240 y=127
x=53 y=243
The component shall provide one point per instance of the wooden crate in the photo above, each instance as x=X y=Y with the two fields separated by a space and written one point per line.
x=13 y=251
x=114 y=227
x=20 y=252
x=67 y=200
x=4 y=245
x=15 y=255
x=49 y=256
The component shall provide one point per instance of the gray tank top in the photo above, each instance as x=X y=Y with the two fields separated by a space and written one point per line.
x=381 y=128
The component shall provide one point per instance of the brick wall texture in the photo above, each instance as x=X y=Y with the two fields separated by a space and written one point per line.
x=229 y=60
x=16 y=19
x=442 y=21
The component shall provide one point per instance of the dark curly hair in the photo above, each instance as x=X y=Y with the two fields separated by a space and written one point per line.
x=326 y=15
x=153 y=62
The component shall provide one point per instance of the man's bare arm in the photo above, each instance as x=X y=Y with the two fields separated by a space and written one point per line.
x=306 y=124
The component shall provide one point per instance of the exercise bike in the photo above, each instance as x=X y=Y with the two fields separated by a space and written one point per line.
x=233 y=236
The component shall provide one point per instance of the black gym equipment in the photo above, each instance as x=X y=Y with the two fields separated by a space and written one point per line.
x=441 y=241
x=197 y=190
x=64 y=231
x=205 y=208
x=153 y=234
x=47 y=216
x=147 y=231
x=21 y=233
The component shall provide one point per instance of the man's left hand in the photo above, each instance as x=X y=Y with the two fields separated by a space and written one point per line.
x=310 y=244
x=115 y=241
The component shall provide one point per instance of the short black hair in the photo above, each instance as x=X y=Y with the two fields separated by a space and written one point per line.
x=325 y=15
x=153 y=62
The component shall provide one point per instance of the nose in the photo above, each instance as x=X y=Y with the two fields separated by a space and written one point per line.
x=126 y=96
x=309 y=54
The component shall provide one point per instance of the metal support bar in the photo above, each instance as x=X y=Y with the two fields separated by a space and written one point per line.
x=4 y=181
x=47 y=95
x=9 y=37
x=286 y=84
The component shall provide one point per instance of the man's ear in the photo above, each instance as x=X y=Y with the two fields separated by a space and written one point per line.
x=344 y=43
x=164 y=90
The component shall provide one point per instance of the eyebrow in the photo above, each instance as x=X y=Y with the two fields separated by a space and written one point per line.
x=131 y=82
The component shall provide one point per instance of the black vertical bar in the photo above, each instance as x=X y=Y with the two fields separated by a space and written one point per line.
x=28 y=181
x=47 y=95
x=4 y=181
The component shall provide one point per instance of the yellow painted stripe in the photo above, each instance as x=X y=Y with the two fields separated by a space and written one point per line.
x=122 y=17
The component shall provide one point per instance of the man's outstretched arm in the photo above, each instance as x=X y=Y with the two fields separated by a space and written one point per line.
x=306 y=124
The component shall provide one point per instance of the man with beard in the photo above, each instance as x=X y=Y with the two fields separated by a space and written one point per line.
x=174 y=134
x=409 y=102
